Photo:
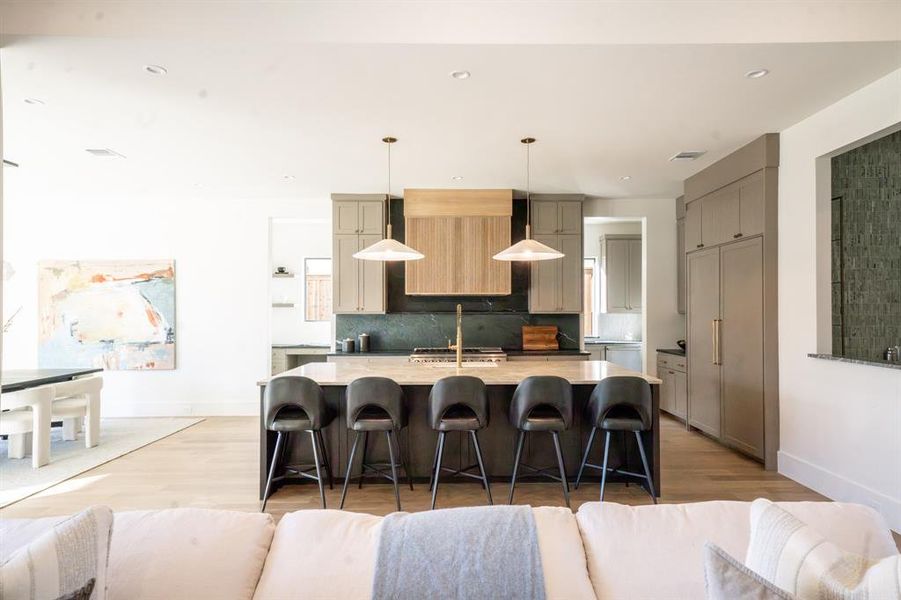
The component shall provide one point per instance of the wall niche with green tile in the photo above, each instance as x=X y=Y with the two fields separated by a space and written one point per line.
x=866 y=249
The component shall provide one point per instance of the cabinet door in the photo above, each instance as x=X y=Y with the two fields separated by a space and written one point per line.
x=680 y=399
x=703 y=310
x=544 y=218
x=751 y=205
x=693 y=239
x=667 y=391
x=680 y=266
x=633 y=295
x=728 y=224
x=345 y=275
x=571 y=273
x=741 y=340
x=372 y=279
x=372 y=217
x=346 y=217
x=628 y=358
x=616 y=275
x=597 y=352
x=569 y=217
x=544 y=288
x=710 y=219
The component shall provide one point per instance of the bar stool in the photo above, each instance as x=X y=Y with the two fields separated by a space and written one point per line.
x=376 y=404
x=295 y=404
x=619 y=404
x=541 y=403
x=458 y=403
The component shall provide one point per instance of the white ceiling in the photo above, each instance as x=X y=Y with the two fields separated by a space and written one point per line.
x=234 y=115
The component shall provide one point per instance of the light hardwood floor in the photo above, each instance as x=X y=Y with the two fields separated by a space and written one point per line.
x=214 y=464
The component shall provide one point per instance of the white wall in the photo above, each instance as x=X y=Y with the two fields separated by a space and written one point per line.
x=221 y=252
x=840 y=424
x=663 y=324
x=292 y=241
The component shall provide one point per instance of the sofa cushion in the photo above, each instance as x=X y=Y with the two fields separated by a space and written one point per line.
x=331 y=554
x=656 y=551
x=188 y=553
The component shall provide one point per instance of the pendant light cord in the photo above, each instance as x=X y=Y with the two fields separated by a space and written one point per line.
x=528 y=190
x=389 y=185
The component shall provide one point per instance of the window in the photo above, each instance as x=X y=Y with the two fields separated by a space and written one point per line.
x=317 y=283
x=588 y=295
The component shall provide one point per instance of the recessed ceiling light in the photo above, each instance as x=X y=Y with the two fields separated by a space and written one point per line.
x=288 y=177
x=457 y=178
x=460 y=74
x=35 y=101
x=688 y=155
x=625 y=178
x=156 y=69
x=756 y=73
x=104 y=152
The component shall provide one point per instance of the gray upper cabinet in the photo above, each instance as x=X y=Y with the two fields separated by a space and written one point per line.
x=358 y=286
x=730 y=213
x=680 y=266
x=751 y=200
x=556 y=285
x=693 y=240
x=621 y=256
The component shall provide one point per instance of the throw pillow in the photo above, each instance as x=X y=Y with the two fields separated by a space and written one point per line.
x=69 y=561
x=728 y=579
x=800 y=561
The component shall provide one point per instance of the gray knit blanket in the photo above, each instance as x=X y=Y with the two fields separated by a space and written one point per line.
x=462 y=553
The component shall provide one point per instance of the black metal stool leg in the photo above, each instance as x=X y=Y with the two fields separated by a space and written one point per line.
x=434 y=462
x=644 y=462
x=561 y=466
x=519 y=443
x=585 y=456
x=272 y=467
x=475 y=443
x=350 y=464
x=403 y=461
x=328 y=466
x=318 y=467
x=604 y=466
x=393 y=469
x=363 y=463
x=624 y=459
x=436 y=475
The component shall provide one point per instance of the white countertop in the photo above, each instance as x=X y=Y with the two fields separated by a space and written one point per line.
x=583 y=372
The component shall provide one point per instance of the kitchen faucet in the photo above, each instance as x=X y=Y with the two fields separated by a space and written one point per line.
x=459 y=345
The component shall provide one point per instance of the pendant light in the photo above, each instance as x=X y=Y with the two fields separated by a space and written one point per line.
x=528 y=249
x=389 y=249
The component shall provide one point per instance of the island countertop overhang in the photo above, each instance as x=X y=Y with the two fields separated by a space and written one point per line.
x=589 y=372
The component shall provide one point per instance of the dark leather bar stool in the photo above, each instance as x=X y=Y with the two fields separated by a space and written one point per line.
x=296 y=404
x=542 y=403
x=619 y=404
x=458 y=403
x=376 y=404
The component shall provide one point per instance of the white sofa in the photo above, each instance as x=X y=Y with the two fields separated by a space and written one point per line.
x=605 y=550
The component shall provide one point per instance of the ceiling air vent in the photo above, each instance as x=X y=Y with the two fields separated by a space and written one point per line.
x=104 y=152
x=688 y=155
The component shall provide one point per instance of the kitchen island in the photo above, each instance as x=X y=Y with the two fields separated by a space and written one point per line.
x=497 y=440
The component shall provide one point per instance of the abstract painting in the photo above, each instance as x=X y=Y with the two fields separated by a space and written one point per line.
x=117 y=314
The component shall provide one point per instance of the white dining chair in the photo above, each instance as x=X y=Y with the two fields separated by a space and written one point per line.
x=17 y=426
x=76 y=401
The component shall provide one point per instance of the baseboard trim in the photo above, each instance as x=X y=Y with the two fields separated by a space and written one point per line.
x=184 y=409
x=840 y=488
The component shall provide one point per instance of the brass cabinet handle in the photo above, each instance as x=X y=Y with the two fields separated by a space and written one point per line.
x=713 y=335
x=719 y=341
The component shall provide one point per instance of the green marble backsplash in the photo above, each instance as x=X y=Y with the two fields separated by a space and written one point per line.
x=866 y=249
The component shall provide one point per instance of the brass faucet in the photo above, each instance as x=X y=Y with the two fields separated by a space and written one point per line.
x=459 y=335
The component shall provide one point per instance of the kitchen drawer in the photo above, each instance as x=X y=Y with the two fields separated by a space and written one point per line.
x=671 y=361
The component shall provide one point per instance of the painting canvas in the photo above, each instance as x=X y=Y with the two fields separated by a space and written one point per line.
x=119 y=315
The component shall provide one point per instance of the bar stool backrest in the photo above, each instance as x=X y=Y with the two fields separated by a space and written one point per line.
x=542 y=390
x=292 y=393
x=378 y=392
x=458 y=390
x=624 y=396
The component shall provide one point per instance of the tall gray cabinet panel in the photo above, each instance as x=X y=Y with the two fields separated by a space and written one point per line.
x=704 y=404
x=741 y=344
x=556 y=285
x=358 y=286
x=621 y=266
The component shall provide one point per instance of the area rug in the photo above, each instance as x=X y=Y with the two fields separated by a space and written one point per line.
x=68 y=459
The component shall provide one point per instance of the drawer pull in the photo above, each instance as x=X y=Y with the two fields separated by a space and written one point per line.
x=737 y=235
x=700 y=246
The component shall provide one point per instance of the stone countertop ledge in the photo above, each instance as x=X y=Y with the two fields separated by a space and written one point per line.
x=583 y=372
x=858 y=361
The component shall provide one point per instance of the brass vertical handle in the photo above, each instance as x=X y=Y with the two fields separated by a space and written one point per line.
x=713 y=335
x=719 y=341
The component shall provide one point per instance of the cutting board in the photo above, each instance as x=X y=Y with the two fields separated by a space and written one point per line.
x=540 y=337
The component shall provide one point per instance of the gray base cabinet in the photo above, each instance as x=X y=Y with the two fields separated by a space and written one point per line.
x=627 y=356
x=671 y=370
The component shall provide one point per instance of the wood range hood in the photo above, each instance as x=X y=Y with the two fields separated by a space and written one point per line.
x=458 y=231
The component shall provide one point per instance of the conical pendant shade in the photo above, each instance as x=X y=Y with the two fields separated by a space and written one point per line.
x=528 y=249
x=388 y=250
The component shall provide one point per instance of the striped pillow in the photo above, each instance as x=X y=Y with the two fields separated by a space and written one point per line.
x=69 y=561
x=799 y=560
